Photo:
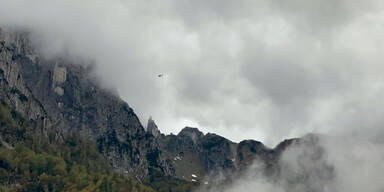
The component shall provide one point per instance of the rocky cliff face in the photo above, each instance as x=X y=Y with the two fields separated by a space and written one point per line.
x=59 y=93
x=13 y=89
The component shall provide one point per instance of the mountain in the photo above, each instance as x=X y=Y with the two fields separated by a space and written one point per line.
x=61 y=99
x=30 y=163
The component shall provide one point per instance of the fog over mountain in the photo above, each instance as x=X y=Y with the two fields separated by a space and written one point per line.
x=260 y=69
x=264 y=70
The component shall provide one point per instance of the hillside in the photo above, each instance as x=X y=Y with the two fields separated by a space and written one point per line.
x=61 y=131
x=30 y=163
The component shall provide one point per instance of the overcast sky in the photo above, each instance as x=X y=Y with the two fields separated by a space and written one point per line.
x=245 y=69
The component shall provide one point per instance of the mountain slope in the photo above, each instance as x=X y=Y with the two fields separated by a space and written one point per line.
x=28 y=163
x=62 y=99
x=62 y=93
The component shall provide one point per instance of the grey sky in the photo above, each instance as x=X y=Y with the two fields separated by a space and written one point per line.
x=263 y=70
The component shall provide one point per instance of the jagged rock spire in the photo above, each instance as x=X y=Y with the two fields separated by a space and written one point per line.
x=152 y=127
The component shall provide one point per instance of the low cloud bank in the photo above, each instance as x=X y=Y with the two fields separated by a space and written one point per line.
x=244 y=69
x=261 y=69
x=318 y=163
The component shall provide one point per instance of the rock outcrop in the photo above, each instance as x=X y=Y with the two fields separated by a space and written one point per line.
x=152 y=128
x=13 y=89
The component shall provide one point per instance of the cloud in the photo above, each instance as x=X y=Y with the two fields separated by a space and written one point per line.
x=321 y=163
x=265 y=70
x=245 y=69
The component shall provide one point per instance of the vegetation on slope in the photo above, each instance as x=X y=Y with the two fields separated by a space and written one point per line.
x=163 y=183
x=66 y=163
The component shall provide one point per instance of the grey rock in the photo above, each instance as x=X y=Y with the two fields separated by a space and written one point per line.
x=152 y=128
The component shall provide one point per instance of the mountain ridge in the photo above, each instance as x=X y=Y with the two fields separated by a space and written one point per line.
x=59 y=93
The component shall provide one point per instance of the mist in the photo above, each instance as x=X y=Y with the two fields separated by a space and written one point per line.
x=264 y=70
x=317 y=163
